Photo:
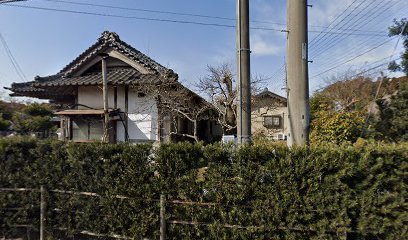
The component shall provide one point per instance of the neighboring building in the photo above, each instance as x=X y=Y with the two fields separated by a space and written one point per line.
x=269 y=116
x=146 y=101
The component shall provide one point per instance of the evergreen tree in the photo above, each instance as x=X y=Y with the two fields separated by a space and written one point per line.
x=33 y=118
x=394 y=116
x=400 y=28
x=4 y=124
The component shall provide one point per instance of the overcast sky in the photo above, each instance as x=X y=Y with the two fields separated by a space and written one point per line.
x=345 y=36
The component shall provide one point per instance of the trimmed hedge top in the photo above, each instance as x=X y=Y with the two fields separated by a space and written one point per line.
x=256 y=192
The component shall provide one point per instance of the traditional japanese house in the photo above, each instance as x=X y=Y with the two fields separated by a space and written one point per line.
x=144 y=100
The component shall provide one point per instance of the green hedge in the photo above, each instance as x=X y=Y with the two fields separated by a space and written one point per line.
x=270 y=192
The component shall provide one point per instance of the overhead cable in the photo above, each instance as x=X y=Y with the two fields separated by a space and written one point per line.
x=12 y=59
x=351 y=59
x=183 y=14
x=343 y=24
x=317 y=37
x=137 y=18
x=168 y=20
x=364 y=20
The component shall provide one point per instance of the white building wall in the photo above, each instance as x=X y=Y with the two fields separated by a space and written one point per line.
x=92 y=96
x=142 y=118
x=120 y=128
x=142 y=111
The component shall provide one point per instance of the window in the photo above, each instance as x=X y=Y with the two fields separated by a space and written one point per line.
x=273 y=121
x=87 y=129
x=79 y=129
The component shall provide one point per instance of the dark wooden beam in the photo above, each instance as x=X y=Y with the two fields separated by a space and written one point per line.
x=126 y=113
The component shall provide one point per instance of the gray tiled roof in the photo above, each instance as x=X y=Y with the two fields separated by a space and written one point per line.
x=267 y=93
x=109 y=40
x=112 y=40
x=114 y=76
x=24 y=87
x=27 y=90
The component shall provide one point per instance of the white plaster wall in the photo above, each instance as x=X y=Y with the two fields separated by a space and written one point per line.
x=142 y=118
x=120 y=129
x=92 y=96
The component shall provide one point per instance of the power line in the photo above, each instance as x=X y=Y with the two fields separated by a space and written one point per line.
x=360 y=46
x=13 y=61
x=168 y=20
x=138 y=18
x=182 y=14
x=326 y=27
x=9 y=1
x=157 y=11
x=317 y=37
x=376 y=66
x=345 y=22
x=351 y=59
x=356 y=47
x=189 y=22
x=278 y=71
x=327 y=51
x=327 y=41
x=352 y=33
x=373 y=68
x=357 y=24
x=356 y=50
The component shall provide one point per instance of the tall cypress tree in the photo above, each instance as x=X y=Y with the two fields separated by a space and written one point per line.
x=400 y=28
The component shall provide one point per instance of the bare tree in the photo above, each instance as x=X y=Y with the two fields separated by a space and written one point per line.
x=178 y=102
x=219 y=86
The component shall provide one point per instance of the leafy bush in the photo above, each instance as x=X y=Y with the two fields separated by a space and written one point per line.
x=272 y=192
x=393 y=123
x=336 y=127
x=4 y=124
x=36 y=109
x=25 y=124
x=5 y=111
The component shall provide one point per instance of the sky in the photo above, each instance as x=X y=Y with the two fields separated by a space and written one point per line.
x=345 y=37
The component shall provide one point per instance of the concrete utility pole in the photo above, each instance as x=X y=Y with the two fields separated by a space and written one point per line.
x=298 y=73
x=244 y=74
x=105 y=98
x=162 y=217
x=42 y=213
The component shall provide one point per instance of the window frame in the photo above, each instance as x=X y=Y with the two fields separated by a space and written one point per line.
x=271 y=123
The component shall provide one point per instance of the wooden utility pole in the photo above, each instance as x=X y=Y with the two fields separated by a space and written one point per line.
x=244 y=74
x=298 y=73
x=162 y=217
x=105 y=98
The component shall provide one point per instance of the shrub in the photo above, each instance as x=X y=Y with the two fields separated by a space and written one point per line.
x=270 y=191
x=4 y=124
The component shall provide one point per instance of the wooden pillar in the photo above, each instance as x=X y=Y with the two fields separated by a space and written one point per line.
x=105 y=99
x=126 y=113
